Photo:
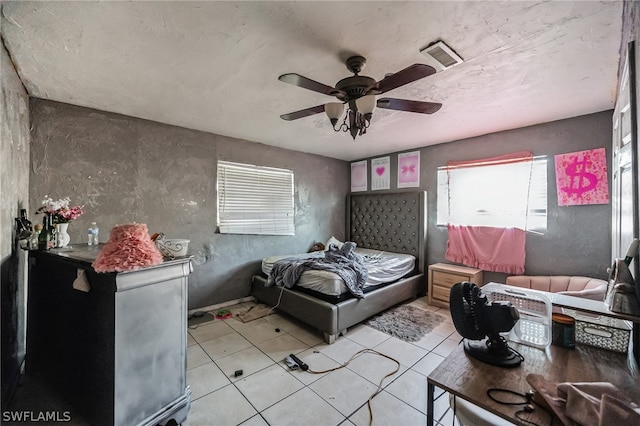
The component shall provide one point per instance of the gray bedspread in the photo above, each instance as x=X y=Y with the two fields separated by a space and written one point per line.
x=344 y=262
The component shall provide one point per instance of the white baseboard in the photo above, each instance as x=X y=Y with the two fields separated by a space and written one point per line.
x=222 y=305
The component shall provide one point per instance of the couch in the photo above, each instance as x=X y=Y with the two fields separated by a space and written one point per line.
x=586 y=287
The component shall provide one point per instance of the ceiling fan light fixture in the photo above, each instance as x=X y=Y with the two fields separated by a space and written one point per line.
x=354 y=121
x=334 y=110
x=366 y=104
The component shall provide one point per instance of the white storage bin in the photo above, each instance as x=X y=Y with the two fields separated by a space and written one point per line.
x=534 y=326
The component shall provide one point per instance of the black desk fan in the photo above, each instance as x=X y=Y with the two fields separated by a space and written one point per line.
x=475 y=317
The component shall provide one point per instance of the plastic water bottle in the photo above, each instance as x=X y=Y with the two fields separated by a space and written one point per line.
x=92 y=235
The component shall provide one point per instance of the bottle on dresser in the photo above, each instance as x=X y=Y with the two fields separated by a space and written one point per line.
x=92 y=235
x=45 y=239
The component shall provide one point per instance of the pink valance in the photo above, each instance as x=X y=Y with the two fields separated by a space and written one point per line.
x=487 y=248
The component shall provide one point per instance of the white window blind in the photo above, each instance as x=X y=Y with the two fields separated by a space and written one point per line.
x=255 y=200
x=509 y=195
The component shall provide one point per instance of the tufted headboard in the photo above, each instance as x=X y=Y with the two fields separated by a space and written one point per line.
x=395 y=222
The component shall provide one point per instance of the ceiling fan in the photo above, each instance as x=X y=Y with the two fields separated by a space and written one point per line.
x=359 y=93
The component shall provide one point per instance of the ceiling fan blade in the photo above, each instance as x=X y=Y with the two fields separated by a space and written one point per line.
x=303 y=113
x=307 y=83
x=407 y=75
x=411 y=106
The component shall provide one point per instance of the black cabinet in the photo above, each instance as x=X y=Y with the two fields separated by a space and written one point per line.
x=117 y=353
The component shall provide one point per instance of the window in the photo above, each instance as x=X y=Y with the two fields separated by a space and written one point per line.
x=254 y=200
x=502 y=193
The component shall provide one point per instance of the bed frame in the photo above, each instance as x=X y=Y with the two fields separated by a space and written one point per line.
x=394 y=222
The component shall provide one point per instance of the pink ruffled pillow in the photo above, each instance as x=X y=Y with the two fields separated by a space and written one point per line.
x=129 y=248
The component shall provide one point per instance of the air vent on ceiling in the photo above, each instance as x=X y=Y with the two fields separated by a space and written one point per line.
x=441 y=56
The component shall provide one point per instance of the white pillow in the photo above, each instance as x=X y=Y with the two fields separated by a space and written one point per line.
x=333 y=240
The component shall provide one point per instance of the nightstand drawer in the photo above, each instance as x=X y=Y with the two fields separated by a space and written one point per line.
x=441 y=293
x=448 y=279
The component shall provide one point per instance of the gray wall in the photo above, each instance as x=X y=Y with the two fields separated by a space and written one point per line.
x=14 y=193
x=578 y=238
x=125 y=169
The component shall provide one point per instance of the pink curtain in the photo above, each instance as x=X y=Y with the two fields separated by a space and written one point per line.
x=487 y=248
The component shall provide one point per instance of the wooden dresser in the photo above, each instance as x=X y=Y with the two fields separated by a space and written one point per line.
x=443 y=276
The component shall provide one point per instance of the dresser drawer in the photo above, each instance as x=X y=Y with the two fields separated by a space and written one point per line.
x=440 y=293
x=448 y=278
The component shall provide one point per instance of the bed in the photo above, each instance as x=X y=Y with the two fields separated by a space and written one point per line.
x=379 y=222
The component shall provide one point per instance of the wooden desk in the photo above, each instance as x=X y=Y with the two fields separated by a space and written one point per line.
x=469 y=378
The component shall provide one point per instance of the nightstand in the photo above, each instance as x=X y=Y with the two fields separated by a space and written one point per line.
x=443 y=276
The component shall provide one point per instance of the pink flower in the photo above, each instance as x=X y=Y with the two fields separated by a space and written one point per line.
x=60 y=211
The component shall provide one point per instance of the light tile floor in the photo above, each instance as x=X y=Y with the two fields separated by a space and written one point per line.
x=269 y=393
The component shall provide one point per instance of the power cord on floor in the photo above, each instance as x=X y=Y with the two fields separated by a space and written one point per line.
x=266 y=317
x=306 y=368
x=354 y=356
x=277 y=304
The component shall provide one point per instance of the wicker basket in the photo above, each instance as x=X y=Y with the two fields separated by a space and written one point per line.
x=604 y=332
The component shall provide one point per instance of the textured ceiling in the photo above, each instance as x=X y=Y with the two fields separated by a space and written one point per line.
x=214 y=66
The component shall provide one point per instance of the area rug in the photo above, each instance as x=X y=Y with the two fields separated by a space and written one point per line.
x=406 y=322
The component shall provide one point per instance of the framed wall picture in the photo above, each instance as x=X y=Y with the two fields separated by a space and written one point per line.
x=409 y=169
x=380 y=173
x=359 y=176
